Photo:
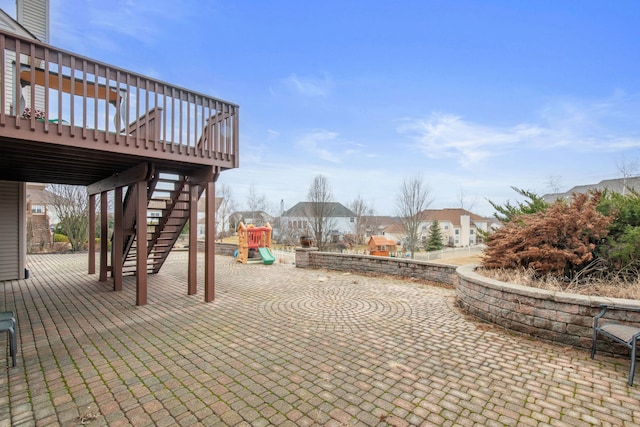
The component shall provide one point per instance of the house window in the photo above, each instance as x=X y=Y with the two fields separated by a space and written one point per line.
x=352 y=220
x=446 y=227
x=457 y=232
x=424 y=227
x=471 y=232
x=37 y=209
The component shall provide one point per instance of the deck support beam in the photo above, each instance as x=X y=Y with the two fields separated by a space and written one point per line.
x=104 y=238
x=209 y=241
x=192 y=280
x=92 y=233
x=141 y=242
x=141 y=172
x=118 y=240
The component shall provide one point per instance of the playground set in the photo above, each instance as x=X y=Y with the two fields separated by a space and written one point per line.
x=381 y=246
x=254 y=242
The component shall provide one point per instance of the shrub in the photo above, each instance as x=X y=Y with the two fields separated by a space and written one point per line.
x=620 y=251
x=60 y=238
x=561 y=240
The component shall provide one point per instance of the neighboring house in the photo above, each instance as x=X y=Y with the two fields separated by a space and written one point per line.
x=40 y=218
x=459 y=227
x=396 y=232
x=619 y=185
x=377 y=225
x=202 y=216
x=257 y=218
x=298 y=220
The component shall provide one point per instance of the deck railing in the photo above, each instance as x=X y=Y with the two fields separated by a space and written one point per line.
x=72 y=98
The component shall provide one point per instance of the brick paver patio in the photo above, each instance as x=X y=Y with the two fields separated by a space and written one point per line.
x=286 y=347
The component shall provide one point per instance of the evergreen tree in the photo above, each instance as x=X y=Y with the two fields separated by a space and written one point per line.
x=532 y=204
x=435 y=237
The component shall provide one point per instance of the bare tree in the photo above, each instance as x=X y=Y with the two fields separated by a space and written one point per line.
x=226 y=208
x=463 y=203
x=256 y=203
x=320 y=210
x=410 y=202
x=71 y=204
x=628 y=168
x=554 y=184
x=363 y=215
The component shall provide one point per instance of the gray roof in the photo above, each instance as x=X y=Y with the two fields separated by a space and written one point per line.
x=251 y=214
x=335 y=210
x=616 y=185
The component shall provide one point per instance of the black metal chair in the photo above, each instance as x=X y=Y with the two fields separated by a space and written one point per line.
x=626 y=335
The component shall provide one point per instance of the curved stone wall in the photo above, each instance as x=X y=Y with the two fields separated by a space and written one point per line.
x=554 y=316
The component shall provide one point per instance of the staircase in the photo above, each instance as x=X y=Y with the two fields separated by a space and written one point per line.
x=167 y=214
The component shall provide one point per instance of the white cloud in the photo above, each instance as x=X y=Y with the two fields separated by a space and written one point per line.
x=596 y=126
x=447 y=135
x=318 y=142
x=308 y=86
x=331 y=146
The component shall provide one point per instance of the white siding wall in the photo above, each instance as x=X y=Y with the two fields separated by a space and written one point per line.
x=10 y=57
x=33 y=15
x=343 y=225
x=12 y=230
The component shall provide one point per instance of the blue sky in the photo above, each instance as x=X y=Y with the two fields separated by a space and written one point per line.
x=475 y=96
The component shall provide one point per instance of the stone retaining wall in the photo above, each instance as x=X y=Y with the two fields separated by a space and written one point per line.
x=555 y=316
x=312 y=258
x=221 y=248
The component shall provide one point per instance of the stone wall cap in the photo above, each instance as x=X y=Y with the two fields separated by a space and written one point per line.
x=468 y=272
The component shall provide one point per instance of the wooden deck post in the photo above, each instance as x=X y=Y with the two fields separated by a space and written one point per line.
x=104 y=238
x=192 y=279
x=92 y=233
x=209 y=241
x=141 y=242
x=118 y=239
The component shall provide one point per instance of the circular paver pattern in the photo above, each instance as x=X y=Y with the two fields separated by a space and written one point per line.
x=335 y=309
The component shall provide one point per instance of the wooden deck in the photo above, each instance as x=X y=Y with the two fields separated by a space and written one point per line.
x=96 y=119
x=68 y=119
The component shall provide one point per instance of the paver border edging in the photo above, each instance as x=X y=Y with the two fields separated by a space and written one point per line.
x=555 y=316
